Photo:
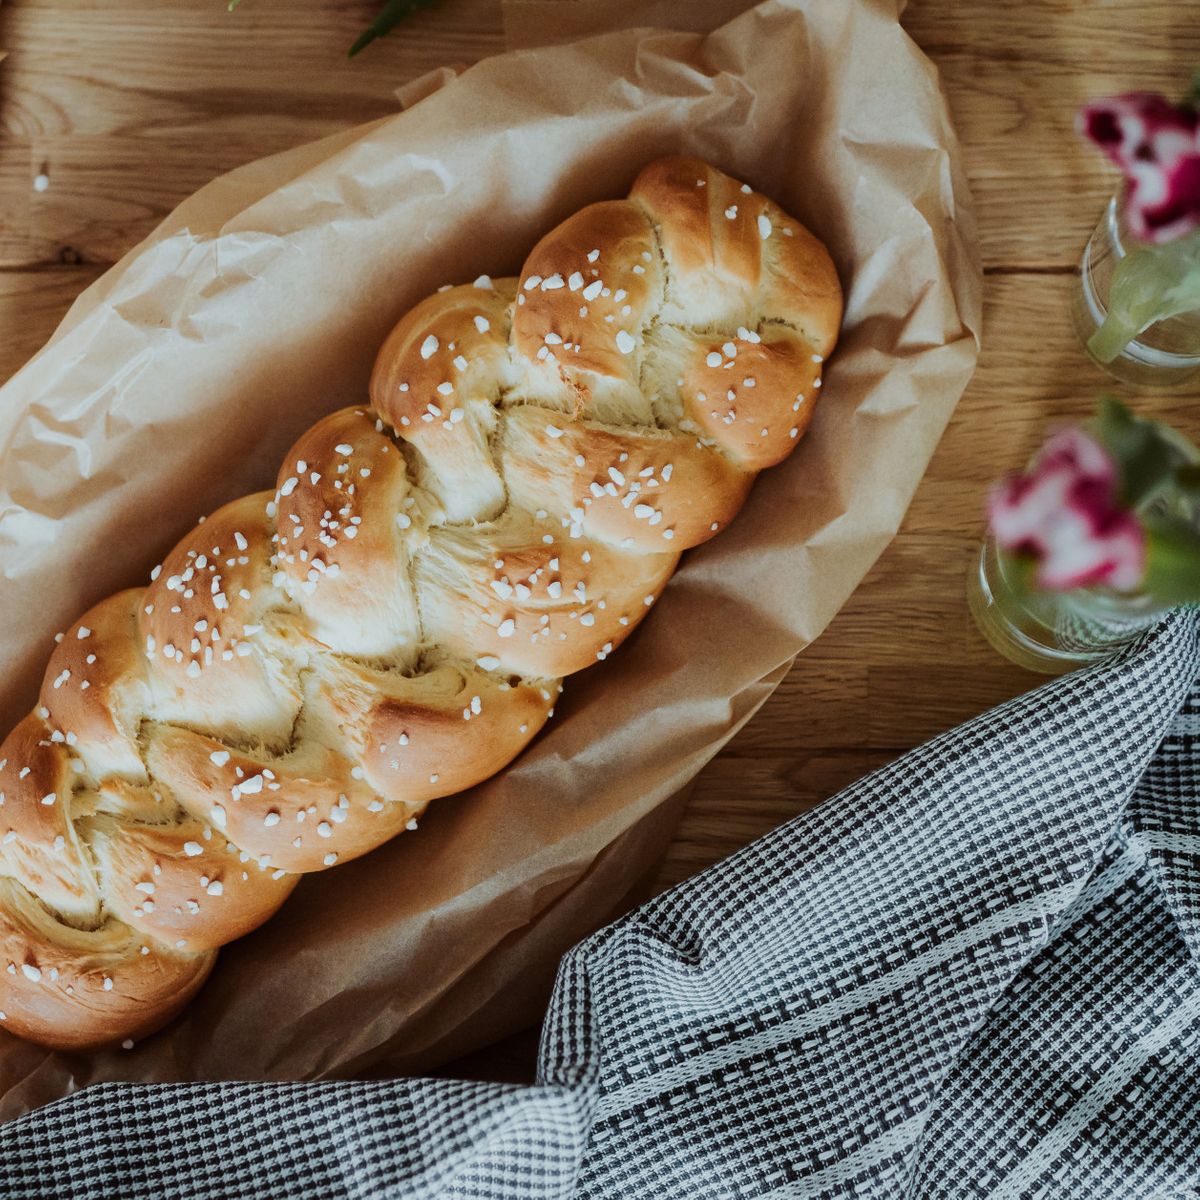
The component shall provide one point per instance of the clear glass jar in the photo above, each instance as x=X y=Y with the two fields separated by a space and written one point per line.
x=1052 y=632
x=1137 y=307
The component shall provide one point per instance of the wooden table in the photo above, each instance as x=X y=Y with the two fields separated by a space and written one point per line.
x=127 y=108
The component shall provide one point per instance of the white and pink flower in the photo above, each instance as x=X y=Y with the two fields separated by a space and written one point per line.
x=1065 y=513
x=1157 y=145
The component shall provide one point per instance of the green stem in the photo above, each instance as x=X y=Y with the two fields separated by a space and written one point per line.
x=389 y=16
x=1111 y=338
x=1150 y=284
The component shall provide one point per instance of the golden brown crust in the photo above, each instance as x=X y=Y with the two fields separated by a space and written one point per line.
x=537 y=607
x=436 y=382
x=340 y=528
x=95 y=686
x=183 y=883
x=312 y=666
x=415 y=747
x=643 y=489
x=73 y=988
x=40 y=844
x=209 y=621
x=586 y=291
x=282 y=811
x=764 y=300
x=733 y=390
x=726 y=242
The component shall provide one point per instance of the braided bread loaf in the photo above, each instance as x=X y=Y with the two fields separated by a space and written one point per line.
x=310 y=667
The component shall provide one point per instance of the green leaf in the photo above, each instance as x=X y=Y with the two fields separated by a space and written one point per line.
x=388 y=17
x=1172 y=560
x=1145 y=459
x=1187 y=481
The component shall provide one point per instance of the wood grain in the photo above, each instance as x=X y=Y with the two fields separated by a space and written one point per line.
x=129 y=108
x=1016 y=72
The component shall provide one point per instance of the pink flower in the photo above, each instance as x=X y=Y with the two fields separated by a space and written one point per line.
x=1065 y=513
x=1157 y=145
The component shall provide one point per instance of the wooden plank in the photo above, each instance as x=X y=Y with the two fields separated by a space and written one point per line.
x=739 y=799
x=1016 y=73
x=31 y=304
x=129 y=110
x=105 y=193
x=165 y=69
x=211 y=89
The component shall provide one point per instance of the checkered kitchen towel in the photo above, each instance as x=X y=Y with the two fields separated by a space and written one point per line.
x=975 y=973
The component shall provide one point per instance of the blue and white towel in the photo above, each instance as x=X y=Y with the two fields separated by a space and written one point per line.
x=976 y=973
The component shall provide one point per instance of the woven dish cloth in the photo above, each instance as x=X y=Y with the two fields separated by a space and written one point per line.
x=975 y=973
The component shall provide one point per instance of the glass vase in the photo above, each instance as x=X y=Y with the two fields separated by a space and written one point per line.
x=1052 y=632
x=1137 y=307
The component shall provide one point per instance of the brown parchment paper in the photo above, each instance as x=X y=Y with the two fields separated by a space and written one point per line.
x=178 y=380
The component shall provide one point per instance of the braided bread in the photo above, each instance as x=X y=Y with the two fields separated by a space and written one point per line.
x=310 y=667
